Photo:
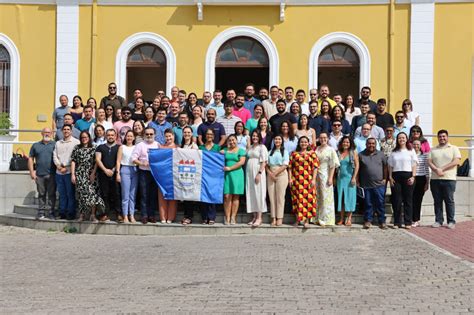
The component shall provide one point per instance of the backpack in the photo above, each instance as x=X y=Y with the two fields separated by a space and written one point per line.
x=463 y=170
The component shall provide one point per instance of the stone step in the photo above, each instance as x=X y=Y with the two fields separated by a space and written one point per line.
x=113 y=228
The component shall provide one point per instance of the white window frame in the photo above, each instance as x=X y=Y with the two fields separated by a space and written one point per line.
x=6 y=149
x=345 y=38
x=252 y=32
x=138 y=39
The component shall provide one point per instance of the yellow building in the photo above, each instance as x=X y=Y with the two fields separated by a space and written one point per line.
x=420 y=49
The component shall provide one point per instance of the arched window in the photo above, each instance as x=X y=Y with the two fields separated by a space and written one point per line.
x=338 y=67
x=4 y=80
x=241 y=60
x=146 y=69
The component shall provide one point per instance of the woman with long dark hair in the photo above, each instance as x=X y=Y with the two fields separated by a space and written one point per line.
x=337 y=113
x=83 y=177
x=265 y=133
x=77 y=108
x=346 y=179
x=290 y=140
x=277 y=179
x=304 y=166
x=127 y=176
x=305 y=130
x=416 y=133
x=412 y=117
x=351 y=110
x=422 y=180
x=167 y=208
x=402 y=165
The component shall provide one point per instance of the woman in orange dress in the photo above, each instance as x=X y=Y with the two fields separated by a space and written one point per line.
x=303 y=170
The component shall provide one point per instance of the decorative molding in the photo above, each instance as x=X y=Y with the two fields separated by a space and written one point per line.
x=6 y=149
x=252 y=32
x=143 y=38
x=200 y=9
x=421 y=62
x=67 y=49
x=345 y=38
x=282 y=11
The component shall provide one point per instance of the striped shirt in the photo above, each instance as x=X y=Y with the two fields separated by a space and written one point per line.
x=422 y=168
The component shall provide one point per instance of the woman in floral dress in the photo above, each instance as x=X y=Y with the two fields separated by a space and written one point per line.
x=328 y=162
x=83 y=177
x=304 y=166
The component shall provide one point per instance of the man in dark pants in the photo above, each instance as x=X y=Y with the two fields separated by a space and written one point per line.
x=106 y=159
x=41 y=154
x=443 y=160
x=373 y=178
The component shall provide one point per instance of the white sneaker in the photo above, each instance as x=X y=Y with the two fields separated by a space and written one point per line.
x=436 y=225
x=451 y=226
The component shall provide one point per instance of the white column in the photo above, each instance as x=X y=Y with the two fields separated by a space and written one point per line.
x=421 y=62
x=67 y=48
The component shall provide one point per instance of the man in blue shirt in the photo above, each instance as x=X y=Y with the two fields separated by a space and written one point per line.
x=211 y=123
x=360 y=141
x=183 y=121
x=160 y=125
x=400 y=124
x=86 y=122
x=250 y=100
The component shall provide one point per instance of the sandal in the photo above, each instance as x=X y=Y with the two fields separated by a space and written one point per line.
x=211 y=222
x=306 y=225
x=186 y=221
x=340 y=222
x=279 y=222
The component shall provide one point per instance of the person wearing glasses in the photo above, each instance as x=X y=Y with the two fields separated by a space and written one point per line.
x=387 y=144
x=401 y=124
x=336 y=134
x=124 y=124
x=113 y=99
x=410 y=115
x=417 y=134
x=361 y=140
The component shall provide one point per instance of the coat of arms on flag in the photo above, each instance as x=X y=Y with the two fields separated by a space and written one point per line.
x=186 y=174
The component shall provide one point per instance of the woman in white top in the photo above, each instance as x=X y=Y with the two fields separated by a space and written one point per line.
x=99 y=135
x=101 y=120
x=149 y=115
x=197 y=116
x=187 y=140
x=243 y=140
x=351 y=110
x=305 y=130
x=127 y=176
x=402 y=172
x=255 y=179
x=187 y=143
x=412 y=117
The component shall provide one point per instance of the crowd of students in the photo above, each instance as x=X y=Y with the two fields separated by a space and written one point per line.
x=314 y=157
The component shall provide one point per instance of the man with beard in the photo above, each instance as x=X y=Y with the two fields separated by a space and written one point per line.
x=324 y=95
x=375 y=131
x=161 y=124
x=106 y=160
x=263 y=94
x=217 y=105
x=250 y=100
x=269 y=105
x=317 y=122
x=148 y=188
x=361 y=119
x=68 y=120
x=289 y=99
x=281 y=116
x=173 y=115
x=230 y=95
x=211 y=123
x=136 y=94
x=228 y=120
x=239 y=109
x=86 y=122
x=365 y=96
x=123 y=125
x=41 y=155
x=113 y=99
x=383 y=118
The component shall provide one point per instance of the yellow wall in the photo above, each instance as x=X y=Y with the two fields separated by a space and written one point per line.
x=294 y=38
x=453 y=53
x=33 y=30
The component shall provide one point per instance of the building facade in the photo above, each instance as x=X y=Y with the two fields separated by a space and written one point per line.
x=417 y=49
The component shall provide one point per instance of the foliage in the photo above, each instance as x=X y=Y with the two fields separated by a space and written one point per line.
x=5 y=123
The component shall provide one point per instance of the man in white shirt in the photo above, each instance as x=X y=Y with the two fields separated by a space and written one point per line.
x=336 y=134
x=289 y=96
x=300 y=99
x=269 y=105
x=375 y=131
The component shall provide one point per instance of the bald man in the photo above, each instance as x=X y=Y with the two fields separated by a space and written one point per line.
x=41 y=154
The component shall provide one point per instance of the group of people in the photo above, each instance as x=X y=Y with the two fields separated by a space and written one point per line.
x=312 y=158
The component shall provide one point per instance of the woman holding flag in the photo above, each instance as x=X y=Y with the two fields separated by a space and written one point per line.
x=167 y=208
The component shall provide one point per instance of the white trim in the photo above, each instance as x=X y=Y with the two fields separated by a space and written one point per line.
x=143 y=38
x=67 y=49
x=421 y=62
x=231 y=2
x=14 y=97
x=221 y=38
x=345 y=38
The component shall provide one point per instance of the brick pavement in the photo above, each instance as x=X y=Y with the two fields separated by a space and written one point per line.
x=370 y=271
x=459 y=241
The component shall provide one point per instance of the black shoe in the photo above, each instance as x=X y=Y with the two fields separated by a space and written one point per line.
x=62 y=217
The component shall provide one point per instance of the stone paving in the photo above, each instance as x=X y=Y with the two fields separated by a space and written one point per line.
x=370 y=271
x=459 y=242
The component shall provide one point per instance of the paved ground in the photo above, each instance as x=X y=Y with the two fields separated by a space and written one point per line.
x=365 y=271
x=459 y=241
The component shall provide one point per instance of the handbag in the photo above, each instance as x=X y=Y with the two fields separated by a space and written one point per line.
x=19 y=161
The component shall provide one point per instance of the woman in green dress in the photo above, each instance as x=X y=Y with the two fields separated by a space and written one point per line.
x=346 y=179
x=234 y=182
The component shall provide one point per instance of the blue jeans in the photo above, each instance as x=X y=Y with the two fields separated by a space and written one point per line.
x=443 y=190
x=129 y=181
x=149 y=191
x=67 y=201
x=374 y=201
x=208 y=211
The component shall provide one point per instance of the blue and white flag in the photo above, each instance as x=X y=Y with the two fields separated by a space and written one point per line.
x=187 y=174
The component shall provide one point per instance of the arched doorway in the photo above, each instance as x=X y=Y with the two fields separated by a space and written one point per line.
x=4 y=80
x=241 y=60
x=146 y=69
x=339 y=67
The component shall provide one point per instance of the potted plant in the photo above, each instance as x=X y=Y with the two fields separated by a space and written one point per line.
x=5 y=123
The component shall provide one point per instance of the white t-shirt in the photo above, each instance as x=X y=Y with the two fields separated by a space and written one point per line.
x=403 y=160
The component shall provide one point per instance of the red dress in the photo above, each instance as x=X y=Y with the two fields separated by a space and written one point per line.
x=303 y=194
